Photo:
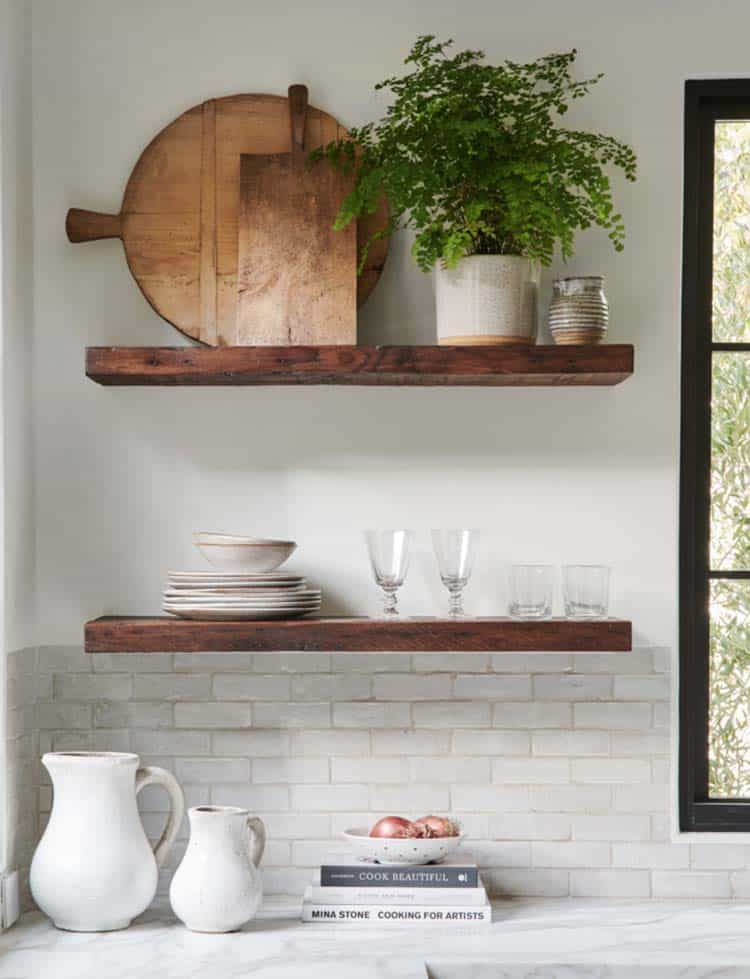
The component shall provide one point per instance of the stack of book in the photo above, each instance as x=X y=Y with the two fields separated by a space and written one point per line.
x=450 y=893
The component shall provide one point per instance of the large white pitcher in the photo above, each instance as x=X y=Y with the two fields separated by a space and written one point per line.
x=94 y=869
x=217 y=886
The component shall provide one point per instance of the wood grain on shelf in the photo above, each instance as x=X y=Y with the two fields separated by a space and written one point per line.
x=113 y=634
x=422 y=365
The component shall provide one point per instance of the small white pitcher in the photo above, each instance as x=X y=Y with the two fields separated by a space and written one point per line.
x=217 y=887
x=94 y=869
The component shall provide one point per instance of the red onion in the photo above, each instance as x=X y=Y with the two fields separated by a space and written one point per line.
x=437 y=826
x=394 y=828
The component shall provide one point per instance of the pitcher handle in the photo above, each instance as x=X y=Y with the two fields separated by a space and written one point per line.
x=257 y=832
x=151 y=775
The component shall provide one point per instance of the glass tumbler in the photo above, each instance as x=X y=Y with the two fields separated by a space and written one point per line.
x=389 y=559
x=586 y=591
x=531 y=587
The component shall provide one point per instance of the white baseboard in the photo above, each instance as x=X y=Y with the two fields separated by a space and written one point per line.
x=10 y=908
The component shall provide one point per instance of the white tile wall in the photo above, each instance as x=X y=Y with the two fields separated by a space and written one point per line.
x=557 y=765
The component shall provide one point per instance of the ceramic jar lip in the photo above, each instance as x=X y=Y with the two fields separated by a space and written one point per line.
x=91 y=757
x=209 y=810
x=581 y=278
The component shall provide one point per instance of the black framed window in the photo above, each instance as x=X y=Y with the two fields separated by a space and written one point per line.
x=715 y=460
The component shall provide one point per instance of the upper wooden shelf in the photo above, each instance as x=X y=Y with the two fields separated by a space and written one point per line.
x=491 y=366
x=128 y=634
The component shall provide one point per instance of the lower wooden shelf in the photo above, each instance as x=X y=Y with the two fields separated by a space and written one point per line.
x=134 y=634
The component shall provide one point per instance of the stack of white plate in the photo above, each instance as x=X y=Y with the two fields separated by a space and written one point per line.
x=234 y=595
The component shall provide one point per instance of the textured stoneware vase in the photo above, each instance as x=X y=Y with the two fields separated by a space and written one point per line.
x=487 y=299
x=217 y=887
x=94 y=869
x=579 y=312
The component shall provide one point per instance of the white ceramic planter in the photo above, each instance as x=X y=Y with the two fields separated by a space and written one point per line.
x=217 y=887
x=94 y=869
x=487 y=299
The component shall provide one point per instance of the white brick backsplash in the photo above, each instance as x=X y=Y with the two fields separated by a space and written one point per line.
x=290 y=770
x=369 y=770
x=612 y=770
x=212 y=715
x=718 y=856
x=252 y=686
x=650 y=856
x=490 y=798
x=89 y=686
x=529 y=826
x=491 y=743
x=556 y=765
x=258 y=798
x=212 y=770
x=456 y=713
x=171 y=742
x=411 y=742
x=291 y=662
x=133 y=714
x=639 y=745
x=637 y=661
x=312 y=853
x=171 y=686
x=411 y=686
x=451 y=662
x=292 y=715
x=570 y=743
x=527 y=883
x=612 y=826
x=213 y=662
x=331 y=686
x=571 y=798
x=134 y=663
x=565 y=854
x=531 y=662
x=421 y=799
x=490 y=687
x=531 y=770
x=613 y=716
x=252 y=744
x=572 y=687
x=431 y=768
x=674 y=884
x=326 y=798
x=371 y=715
x=330 y=742
x=532 y=715
x=610 y=883
x=641 y=687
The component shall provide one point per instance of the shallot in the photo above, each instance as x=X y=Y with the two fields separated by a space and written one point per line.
x=394 y=828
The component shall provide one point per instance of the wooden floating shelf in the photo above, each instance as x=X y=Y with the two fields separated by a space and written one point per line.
x=491 y=366
x=114 y=634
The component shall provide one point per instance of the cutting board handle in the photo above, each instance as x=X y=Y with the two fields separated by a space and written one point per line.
x=297 y=96
x=91 y=225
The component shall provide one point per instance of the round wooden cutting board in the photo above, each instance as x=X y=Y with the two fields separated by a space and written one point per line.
x=179 y=220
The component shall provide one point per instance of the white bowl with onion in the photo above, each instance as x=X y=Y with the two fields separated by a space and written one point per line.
x=398 y=845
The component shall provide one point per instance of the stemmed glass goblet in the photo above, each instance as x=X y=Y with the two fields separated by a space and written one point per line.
x=389 y=558
x=455 y=551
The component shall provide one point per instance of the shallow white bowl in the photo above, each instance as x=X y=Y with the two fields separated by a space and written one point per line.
x=395 y=853
x=244 y=554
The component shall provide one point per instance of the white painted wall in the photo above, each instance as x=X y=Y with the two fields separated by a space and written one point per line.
x=16 y=497
x=124 y=476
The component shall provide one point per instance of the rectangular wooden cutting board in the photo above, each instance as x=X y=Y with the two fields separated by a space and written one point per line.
x=297 y=277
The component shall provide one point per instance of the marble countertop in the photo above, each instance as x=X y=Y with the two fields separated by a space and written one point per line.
x=542 y=939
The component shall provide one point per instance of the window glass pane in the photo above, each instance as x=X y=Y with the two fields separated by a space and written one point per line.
x=729 y=690
x=731 y=263
x=730 y=462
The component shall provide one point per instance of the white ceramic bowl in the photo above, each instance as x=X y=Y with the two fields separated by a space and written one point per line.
x=243 y=554
x=396 y=853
